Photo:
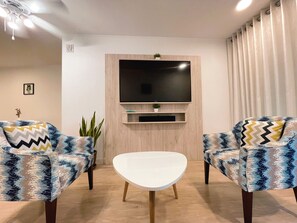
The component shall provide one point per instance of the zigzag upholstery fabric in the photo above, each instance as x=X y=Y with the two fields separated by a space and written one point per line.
x=225 y=161
x=42 y=175
x=32 y=137
x=71 y=166
x=255 y=133
x=259 y=167
x=3 y=141
x=220 y=140
x=238 y=127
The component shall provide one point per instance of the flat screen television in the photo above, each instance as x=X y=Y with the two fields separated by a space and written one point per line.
x=155 y=81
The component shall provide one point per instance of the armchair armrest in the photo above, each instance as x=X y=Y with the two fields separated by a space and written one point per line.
x=219 y=141
x=29 y=175
x=72 y=144
x=269 y=166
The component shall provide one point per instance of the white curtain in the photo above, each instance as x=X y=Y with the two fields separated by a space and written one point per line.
x=262 y=64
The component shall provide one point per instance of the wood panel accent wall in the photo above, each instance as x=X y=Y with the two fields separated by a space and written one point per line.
x=185 y=138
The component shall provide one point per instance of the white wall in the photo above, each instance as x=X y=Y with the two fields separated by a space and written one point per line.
x=83 y=74
x=44 y=105
x=33 y=51
x=36 y=59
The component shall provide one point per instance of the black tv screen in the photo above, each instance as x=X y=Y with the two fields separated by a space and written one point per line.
x=155 y=81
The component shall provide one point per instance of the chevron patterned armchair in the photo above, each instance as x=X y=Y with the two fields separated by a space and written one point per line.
x=37 y=162
x=258 y=154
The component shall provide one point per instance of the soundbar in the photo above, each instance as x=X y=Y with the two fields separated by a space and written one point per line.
x=159 y=118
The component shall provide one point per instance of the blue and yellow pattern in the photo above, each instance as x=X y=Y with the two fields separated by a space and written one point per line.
x=255 y=133
x=42 y=175
x=31 y=137
x=258 y=167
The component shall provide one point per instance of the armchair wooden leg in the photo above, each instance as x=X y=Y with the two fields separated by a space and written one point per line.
x=50 y=211
x=206 y=172
x=247 y=202
x=90 y=176
x=295 y=192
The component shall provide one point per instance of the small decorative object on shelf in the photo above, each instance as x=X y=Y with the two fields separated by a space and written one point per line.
x=18 y=112
x=156 y=107
x=157 y=56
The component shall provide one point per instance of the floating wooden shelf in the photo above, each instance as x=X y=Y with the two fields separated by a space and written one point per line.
x=132 y=117
x=141 y=123
x=151 y=103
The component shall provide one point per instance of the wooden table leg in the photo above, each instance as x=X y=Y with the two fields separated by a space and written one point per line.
x=152 y=206
x=125 y=191
x=175 y=191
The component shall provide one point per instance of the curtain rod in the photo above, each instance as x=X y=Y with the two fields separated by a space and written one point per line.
x=267 y=11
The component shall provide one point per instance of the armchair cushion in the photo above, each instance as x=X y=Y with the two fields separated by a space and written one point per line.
x=256 y=133
x=32 y=137
x=3 y=140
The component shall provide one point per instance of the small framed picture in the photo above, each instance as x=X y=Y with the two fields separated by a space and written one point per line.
x=28 y=89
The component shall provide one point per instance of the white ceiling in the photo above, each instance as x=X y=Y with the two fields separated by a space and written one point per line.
x=165 y=18
x=162 y=18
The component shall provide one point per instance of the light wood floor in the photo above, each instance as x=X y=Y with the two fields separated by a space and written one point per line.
x=220 y=201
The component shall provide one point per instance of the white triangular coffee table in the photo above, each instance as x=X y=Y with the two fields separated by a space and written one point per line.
x=152 y=171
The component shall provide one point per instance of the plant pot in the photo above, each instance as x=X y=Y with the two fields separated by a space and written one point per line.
x=156 y=109
x=95 y=157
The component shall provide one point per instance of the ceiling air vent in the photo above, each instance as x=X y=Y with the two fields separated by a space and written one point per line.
x=70 y=48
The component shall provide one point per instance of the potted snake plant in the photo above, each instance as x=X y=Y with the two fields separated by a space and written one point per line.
x=93 y=130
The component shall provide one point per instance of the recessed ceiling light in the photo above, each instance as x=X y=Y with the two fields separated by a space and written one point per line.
x=243 y=4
